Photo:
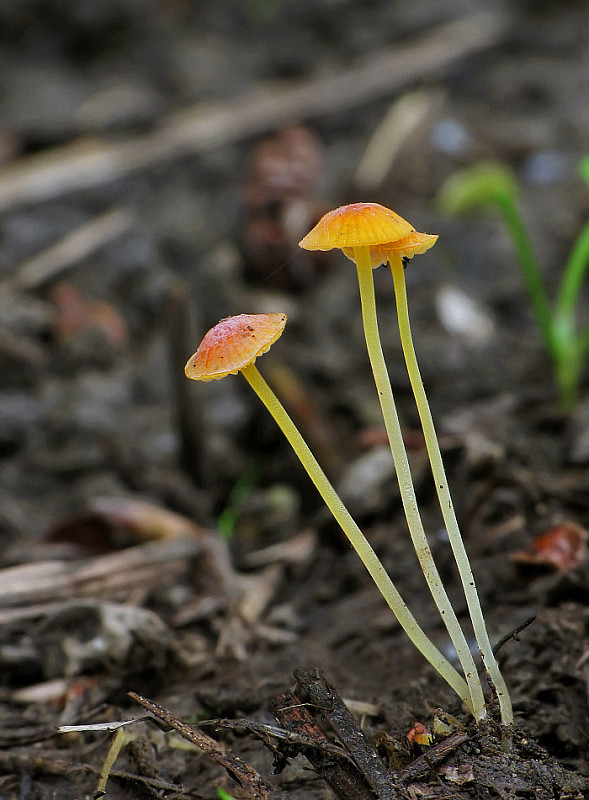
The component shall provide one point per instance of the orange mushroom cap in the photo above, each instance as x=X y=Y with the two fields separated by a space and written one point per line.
x=234 y=343
x=412 y=245
x=367 y=225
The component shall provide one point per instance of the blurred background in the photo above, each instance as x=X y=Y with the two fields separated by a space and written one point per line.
x=160 y=162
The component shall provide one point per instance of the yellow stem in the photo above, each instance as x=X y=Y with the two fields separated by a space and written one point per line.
x=416 y=530
x=357 y=539
x=120 y=739
x=444 y=498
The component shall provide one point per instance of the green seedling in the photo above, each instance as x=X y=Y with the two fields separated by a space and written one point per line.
x=494 y=185
x=370 y=235
x=222 y=794
x=242 y=489
x=584 y=169
x=232 y=346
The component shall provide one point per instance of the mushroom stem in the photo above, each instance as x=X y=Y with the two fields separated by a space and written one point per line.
x=357 y=539
x=415 y=525
x=444 y=498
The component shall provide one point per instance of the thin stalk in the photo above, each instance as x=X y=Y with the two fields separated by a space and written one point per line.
x=532 y=277
x=357 y=539
x=444 y=498
x=567 y=371
x=568 y=343
x=405 y=480
x=573 y=276
x=583 y=341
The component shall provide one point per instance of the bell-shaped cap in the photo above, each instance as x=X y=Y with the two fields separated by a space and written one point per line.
x=367 y=225
x=234 y=343
x=356 y=225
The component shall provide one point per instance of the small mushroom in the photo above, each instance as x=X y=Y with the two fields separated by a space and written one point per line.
x=443 y=491
x=360 y=230
x=370 y=226
x=232 y=346
x=369 y=234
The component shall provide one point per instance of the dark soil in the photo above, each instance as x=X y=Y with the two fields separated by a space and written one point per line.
x=116 y=474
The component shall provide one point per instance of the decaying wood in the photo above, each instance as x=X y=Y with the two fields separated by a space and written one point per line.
x=246 y=776
x=296 y=739
x=89 y=163
x=427 y=761
x=314 y=688
x=29 y=589
x=338 y=771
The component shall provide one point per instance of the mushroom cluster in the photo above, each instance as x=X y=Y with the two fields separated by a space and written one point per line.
x=370 y=234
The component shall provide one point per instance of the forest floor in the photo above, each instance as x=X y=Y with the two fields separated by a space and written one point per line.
x=159 y=162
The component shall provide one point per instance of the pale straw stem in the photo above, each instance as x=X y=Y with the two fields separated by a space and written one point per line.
x=444 y=498
x=357 y=539
x=405 y=480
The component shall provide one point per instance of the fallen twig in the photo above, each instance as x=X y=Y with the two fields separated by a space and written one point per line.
x=434 y=755
x=32 y=589
x=88 y=163
x=264 y=732
x=246 y=776
x=514 y=634
x=313 y=687
x=69 y=250
x=338 y=771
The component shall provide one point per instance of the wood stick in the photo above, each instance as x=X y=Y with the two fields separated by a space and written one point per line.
x=32 y=588
x=435 y=755
x=70 y=250
x=188 y=403
x=246 y=776
x=340 y=773
x=89 y=163
x=314 y=688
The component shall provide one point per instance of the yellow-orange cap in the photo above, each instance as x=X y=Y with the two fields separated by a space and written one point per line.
x=356 y=225
x=367 y=225
x=234 y=343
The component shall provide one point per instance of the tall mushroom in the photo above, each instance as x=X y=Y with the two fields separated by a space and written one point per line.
x=369 y=234
x=395 y=258
x=232 y=346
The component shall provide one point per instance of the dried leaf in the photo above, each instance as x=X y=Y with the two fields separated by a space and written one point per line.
x=561 y=549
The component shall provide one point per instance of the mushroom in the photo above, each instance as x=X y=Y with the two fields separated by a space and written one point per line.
x=232 y=346
x=370 y=234
x=395 y=259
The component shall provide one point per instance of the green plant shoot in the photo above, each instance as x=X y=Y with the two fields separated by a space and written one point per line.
x=242 y=489
x=494 y=185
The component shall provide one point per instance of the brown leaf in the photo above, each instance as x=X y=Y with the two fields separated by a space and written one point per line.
x=560 y=549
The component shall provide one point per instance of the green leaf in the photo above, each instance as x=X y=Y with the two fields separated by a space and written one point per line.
x=478 y=186
x=584 y=169
x=223 y=795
